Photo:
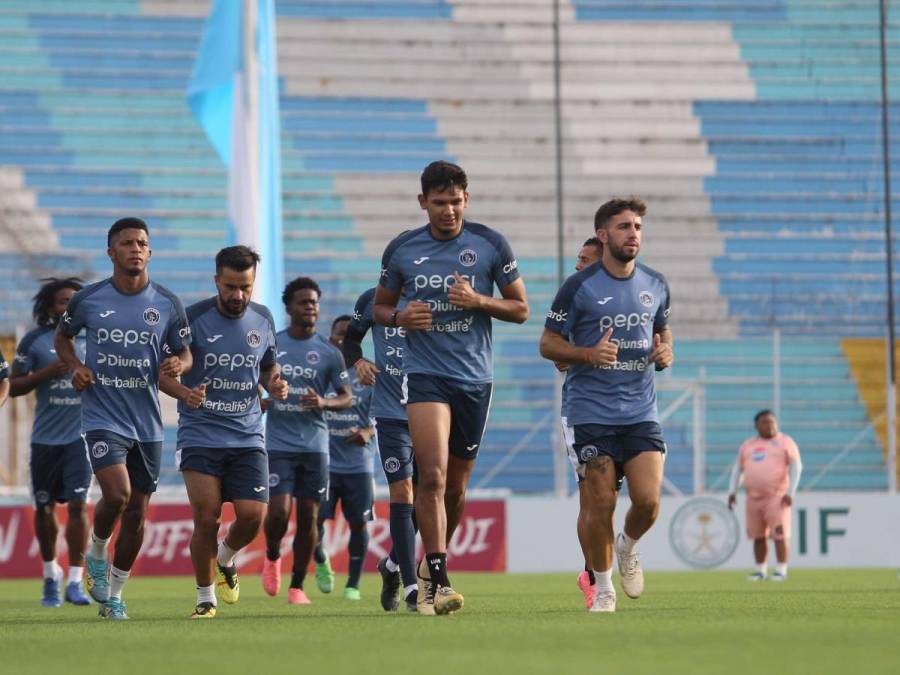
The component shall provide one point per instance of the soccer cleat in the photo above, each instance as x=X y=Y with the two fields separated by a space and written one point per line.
x=75 y=594
x=51 y=591
x=204 y=610
x=390 y=587
x=97 y=579
x=425 y=594
x=447 y=601
x=351 y=593
x=296 y=596
x=325 y=575
x=228 y=585
x=778 y=576
x=271 y=576
x=757 y=576
x=604 y=602
x=411 y=601
x=113 y=609
x=589 y=589
x=631 y=576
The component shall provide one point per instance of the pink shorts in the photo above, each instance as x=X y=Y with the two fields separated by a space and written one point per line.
x=767 y=517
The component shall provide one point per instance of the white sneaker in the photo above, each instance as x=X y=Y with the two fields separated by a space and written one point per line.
x=757 y=576
x=631 y=576
x=604 y=601
x=778 y=576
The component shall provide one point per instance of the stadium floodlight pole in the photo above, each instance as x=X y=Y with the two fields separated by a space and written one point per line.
x=891 y=379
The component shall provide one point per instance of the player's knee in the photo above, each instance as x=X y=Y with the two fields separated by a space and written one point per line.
x=455 y=494
x=117 y=500
x=432 y=480
x=647 y=505
x=307 y=512
x=401 y=492
x=76 y=510
x=207 y=519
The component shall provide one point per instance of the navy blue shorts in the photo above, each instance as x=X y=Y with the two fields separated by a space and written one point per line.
x=59 y=473
x=244 y=471
x=356 y=492
x=106 y=448
x=469 y=407
x=300 y=474
x=395 y=448
x=620 y=443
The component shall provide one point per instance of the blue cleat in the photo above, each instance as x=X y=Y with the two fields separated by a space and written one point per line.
x=51 y=591
x=113 y=609
x=75 y=594
x=97 y=579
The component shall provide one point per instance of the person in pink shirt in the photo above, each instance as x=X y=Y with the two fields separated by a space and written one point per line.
x=770 y=465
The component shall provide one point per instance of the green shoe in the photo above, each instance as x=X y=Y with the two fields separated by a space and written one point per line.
x=351 y=593
x=325 y=576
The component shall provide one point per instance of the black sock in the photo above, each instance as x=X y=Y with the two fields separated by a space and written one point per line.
x=590 y=574
x=359 y=542
x=403 y=536
x=437 y=567
x=273 y=553
x=297 y=579
x=319 y=552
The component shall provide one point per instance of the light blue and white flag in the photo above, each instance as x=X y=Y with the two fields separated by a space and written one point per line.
x=233 y=93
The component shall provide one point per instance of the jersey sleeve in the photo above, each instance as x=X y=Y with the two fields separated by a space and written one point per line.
x=561 y=314
x=661 y=320
x=505 y=266
x=362 y=321
x=25 y=360
x=793 y=452
x=268 y=358
x=4 y=368
x=391 y=274
x=178 y=332
x=339 y=376
x=75 y=316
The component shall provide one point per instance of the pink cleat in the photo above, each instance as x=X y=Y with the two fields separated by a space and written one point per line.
x=589 y=589
x=271 y=576
x=296 y=596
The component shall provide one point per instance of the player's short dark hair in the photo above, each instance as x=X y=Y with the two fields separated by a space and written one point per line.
x=44 y=297
x=337 y=320
x=762 y=413
x=593 y=241
x=442 y=175
x=299 y=284
x=238 y=258
x=129 y=223
x=616 y=206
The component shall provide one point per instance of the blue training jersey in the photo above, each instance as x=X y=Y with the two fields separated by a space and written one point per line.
x=344 y=457
x=128 y=335
x=229 y=353
x=389 y=345
x=57 y=416
x=588 y=304
x=459 y=344
x=311 y=362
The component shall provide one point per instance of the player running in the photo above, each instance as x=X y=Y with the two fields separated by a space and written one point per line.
x=446 y=271
x=221 y=440
x=59 y=467
x=135 y=330
x=297 y=437
x=351 y=455
x=394 y=445
x=608 y=322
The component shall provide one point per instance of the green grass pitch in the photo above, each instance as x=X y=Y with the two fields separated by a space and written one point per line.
x=822 y=621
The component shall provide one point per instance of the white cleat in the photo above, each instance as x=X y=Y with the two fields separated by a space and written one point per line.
x=778 y=576
x=604 y=601
x=631 y=576
x=757 y=576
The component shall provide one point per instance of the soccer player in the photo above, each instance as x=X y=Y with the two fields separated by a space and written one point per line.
x=221 y=440
x=394 y=445
x=60 y=470
x=351 y=455
x=297 y=437
x=446 y=270
x=609 y=323
x=770 y=466
x=135 y=330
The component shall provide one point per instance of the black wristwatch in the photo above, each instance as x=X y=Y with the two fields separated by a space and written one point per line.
x=393 y=321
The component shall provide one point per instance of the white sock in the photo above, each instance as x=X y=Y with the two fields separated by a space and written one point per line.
x=51 y=569
x=604 y=581
x=225 y=556
x=781 y=568
x=98 y=547
x=117 y=579
x=76 y=574
x=391 y=565
x=625 y=544
x=206 y=594
x=409 y=589
x=762 y=568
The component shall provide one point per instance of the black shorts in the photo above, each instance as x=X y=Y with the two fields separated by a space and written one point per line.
x=469 y=408
x=59 y=473
x=356 y=492
x=395 y=448
x=244 y=471
x=106 y=448
x=620 y=443
x=300 y=474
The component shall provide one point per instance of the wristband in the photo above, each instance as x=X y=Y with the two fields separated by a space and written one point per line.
x=393 y=320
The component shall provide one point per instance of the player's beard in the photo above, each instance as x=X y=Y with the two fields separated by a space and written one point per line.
x=618 y=252
x=233 y=308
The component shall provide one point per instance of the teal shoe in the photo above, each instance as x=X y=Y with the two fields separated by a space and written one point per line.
x=97 y=580
x=114 y=610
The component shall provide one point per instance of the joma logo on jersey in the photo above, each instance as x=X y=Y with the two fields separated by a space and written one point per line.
x=421 y=281
x=230 y=361
x=632 y=320
x=124 y=337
